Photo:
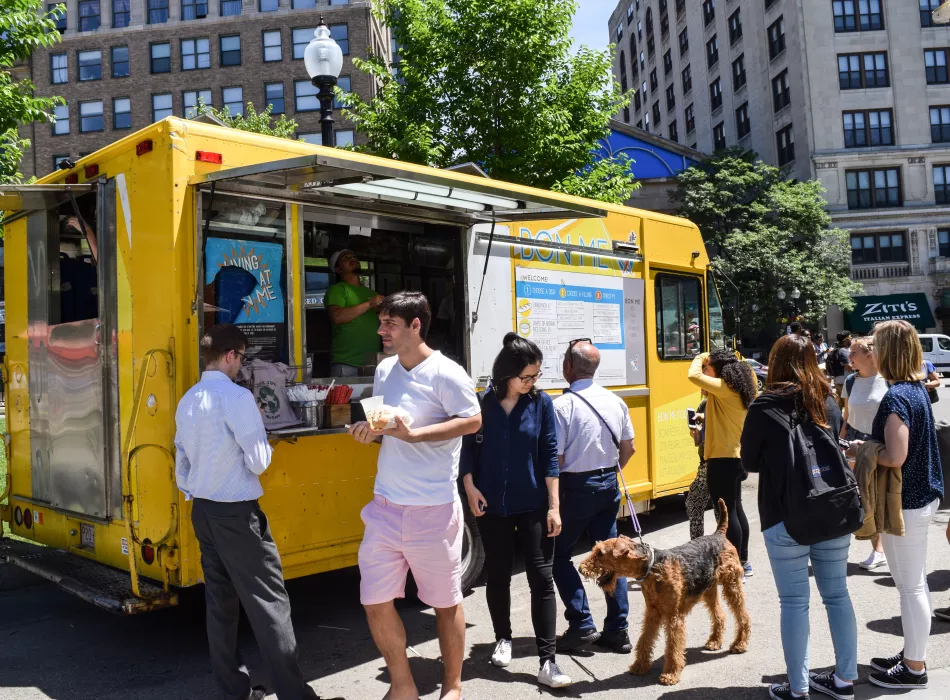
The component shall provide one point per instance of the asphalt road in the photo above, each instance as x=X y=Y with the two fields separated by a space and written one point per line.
x=55 y=646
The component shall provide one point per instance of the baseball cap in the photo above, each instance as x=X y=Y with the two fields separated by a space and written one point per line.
x=335 y=258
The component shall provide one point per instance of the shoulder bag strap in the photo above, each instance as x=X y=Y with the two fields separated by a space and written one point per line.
x=596 y=413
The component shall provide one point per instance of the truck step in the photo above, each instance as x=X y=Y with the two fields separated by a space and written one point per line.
x=101 y=585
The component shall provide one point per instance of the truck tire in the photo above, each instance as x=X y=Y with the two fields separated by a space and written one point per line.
x=473 y=552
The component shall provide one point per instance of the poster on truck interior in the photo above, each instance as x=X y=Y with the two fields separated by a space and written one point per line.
x=554 y=307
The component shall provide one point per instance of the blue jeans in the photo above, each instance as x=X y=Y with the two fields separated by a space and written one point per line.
x=588 y=502
x=829 y=560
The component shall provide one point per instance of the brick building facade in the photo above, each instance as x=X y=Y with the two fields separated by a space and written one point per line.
x=122 y=64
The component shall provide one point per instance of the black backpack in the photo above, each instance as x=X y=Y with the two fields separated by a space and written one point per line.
x=833 y=364
x=822 y=501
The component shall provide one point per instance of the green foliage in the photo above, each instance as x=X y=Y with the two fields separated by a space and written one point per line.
x=767 y=233
x=493 y=82
x=252 y=120
x=23 y=28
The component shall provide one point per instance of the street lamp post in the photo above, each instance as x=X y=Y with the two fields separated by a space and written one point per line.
x=323 y=59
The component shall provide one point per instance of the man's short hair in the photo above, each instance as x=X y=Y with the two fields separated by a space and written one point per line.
x=408 y=306
x=219 y=340
x=796 y=327
x=583 y=364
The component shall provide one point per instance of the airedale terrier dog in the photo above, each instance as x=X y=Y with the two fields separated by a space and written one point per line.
x=673 y=581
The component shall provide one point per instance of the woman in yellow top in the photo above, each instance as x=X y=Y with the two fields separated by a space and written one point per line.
x=730 y=386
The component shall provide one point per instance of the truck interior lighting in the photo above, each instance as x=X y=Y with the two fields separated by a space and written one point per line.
x=408 y=195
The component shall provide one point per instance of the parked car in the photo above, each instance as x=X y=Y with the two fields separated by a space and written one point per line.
x=936 y=349
x=761 y=371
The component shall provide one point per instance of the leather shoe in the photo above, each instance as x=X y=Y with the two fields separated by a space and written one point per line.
x=617 y=641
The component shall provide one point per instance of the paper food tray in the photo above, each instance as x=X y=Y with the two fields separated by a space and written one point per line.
x=374 y=403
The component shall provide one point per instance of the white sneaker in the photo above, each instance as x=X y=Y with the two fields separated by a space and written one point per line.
x=877 y=559
x=552 y=676
x=502 y=654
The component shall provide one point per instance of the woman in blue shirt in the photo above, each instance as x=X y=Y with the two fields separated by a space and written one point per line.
x=510 y=472
x=904 y=425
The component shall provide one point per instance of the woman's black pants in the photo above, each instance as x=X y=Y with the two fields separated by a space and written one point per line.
x=725 y=481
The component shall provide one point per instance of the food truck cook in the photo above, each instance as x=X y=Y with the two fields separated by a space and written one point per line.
x=352 y=310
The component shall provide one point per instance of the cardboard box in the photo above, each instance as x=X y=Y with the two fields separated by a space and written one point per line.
x=340 y=414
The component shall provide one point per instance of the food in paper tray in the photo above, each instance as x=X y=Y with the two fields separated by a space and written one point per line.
x=384 y=417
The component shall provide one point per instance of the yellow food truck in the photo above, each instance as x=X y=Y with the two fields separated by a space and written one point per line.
x=116 y=266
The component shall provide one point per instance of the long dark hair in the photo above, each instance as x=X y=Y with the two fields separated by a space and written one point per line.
x=736 y=374
x=793 y=370
x=516 y=354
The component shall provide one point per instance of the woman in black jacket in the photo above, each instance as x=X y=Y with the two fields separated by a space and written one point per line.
x=511 y=481
x=796 y=391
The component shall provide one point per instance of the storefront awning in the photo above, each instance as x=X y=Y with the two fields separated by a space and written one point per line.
x=351 y=180
x=912 y=307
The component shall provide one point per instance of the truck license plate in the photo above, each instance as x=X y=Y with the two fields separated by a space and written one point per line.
x=87 y=536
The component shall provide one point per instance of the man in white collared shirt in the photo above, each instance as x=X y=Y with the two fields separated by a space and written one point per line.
x=221 y=449
x=594 y=439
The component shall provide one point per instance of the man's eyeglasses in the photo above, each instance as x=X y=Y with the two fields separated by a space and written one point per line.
x=241 y=355
x=531 y=377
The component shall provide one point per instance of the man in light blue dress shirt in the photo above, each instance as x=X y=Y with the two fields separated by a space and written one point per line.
x=221 y=449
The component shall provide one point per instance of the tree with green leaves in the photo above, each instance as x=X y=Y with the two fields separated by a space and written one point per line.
x=24 y=27
x=767 y=233
x=252 y=120
x=493 y=82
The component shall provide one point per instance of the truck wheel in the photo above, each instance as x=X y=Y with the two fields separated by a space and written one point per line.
x=473 y=551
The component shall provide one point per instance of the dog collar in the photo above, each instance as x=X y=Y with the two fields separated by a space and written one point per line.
x=649 y=566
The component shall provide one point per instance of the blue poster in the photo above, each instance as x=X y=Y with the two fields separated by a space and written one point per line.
x=247 y=278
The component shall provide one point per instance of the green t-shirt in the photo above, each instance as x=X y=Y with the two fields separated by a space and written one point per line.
x=357 y=342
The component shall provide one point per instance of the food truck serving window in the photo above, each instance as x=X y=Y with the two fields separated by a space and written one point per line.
x=717 y=327
x=679 y=332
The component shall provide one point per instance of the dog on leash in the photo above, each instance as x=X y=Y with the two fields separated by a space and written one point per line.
x=673 y=581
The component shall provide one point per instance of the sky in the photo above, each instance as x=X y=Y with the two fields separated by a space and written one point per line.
x=590 y=23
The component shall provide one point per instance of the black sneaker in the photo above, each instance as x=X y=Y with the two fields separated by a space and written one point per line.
x=825 y=683
x=574 y=638
x=617 y=641
x=942 y=614
x=783 y=691
x=885 y=665
x=899 y=677
x=258 y=692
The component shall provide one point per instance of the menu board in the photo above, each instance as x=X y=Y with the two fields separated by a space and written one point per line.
x=553 y=307
x=634 y=326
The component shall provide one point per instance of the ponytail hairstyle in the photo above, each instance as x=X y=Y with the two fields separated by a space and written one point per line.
x=736 y=374
x=516 y=354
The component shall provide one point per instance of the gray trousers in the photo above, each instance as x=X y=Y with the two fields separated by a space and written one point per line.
x=242 y=567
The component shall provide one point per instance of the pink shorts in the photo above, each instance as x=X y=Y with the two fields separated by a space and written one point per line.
x=425 y=539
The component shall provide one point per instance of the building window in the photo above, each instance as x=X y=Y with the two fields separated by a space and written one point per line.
x=877 y=247
x=857 y=15
x=121 y=13
x=629 y=13
x=636 y=101
x=195 y=54
x=646 y=122
x=670 y=98
x=272 y=48
x=942 y=184
x=868 y=128
x=643 y=86
x=304 y=4
x=341 y=35
x=668 y=62
x=712 y=52
x=777 y=37
x=870 y=16
x=61 y=117
x=651 y=46
x=90 y=65
x=680 y=6
x=301 y=37
x=943 y=240
x=157 y=11
x=846 y=16
x=233 y=100
x=664 y=26
x=735 y=27
x=90 y=117
x=122 y=113
x=641 y=60
x=89 y=15
x=305 y=96
x=161 y=58
x=161 y=106
x=60 y=18
x=935 y=61
x=719 y=136
x=873 y=189
x=656 y=113
x=59 y=159
x=715 y=94
x=230 y=8
x=231 y=50
x=769 y=3
x=781 y=95
x=785 y=145
x=620 y=31
x=684 y=42
x=690 y=117
x=193 y=98
x=862 y=70
x=274 y=96
x=687 y=80
x=738 y=72
x=120 y=61
x=674 y=134
x=654 y=83
x=940 y=124
x=743 y=125
x=709 y=12
x=59 y=68
x=269 y=5
x=343 y=82
x=678 y=305
x=926 y=9
x=314 y=138
x=194 y=9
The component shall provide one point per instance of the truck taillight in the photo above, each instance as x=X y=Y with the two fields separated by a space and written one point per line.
x=209 y=157
x=18 y=516
x=148 y=551
x=28 y=518
x=72 y=178
x=143 y=147
x=91 y=170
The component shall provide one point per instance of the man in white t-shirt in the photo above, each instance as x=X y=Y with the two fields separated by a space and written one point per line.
x=415 y=520
x=594 y=439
